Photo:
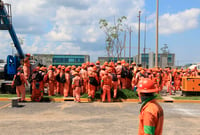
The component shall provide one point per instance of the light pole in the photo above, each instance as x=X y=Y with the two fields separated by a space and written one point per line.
x=157 y=10
x=145 y=43
x=139 y=39
x=130 y=45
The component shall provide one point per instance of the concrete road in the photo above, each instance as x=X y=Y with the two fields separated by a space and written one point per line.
x=69 y=118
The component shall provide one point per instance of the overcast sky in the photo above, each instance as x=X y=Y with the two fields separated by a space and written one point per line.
x=72 y=26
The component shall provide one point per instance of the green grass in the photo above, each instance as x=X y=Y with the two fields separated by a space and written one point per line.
x=187 y=98
x=121 y=94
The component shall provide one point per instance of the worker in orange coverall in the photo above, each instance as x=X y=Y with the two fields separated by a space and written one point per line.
x=26 y=66
x=114 y=81
x=93 y=83
x=67 y=83
x=118 y=69
x=84 y=76
x=19 y=82
x=151 y=113
x=37 y=93
x=106 y=84
x=123 y=76
x=51 y=78
x=61 y=80
x=76 y=85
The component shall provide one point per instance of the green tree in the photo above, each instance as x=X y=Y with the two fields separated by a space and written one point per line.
x=114 y=44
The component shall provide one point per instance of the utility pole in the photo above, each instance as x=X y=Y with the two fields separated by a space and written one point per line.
x=139 y=39
x=130 y=45
x=157 y=10
x=125 y=44
x=145 y=43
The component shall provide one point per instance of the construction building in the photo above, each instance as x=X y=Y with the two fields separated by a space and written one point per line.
x=147 y=60
x=61 y=59
x=114 y=59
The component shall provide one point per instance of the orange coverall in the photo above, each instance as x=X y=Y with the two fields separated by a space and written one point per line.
x=106 y=84
x=151 y=118
x=20 y=90
x=26 y=68
x=67 y=84
x=77 y=88
x=92 y=88
x=118 y=71
x=84 y=76
x=37 y=93
x=51 y=82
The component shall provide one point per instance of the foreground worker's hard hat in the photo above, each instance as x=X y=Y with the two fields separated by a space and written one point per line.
x=146 y=85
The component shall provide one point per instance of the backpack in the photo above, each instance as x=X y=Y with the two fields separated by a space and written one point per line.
x=93 y=81
x=17 y=81
x=129 y=74
x=62 y=79
x=114 y=77
x=71 y=77
x=39 y=77
x=123 y=73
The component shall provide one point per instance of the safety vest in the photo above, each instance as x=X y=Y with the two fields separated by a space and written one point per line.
x=151 y=118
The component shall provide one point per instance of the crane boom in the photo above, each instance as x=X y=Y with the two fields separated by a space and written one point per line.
x=6 y=23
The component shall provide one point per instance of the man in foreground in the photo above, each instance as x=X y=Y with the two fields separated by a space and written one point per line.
x=151 y=113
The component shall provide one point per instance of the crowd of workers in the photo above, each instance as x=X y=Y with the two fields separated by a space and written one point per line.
x=90 y=77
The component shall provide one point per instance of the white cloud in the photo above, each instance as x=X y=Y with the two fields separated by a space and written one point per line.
x=173 y=23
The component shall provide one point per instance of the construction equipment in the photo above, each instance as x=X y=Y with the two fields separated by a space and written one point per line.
x=6 y=24
x=190 y=85
x=13 y=62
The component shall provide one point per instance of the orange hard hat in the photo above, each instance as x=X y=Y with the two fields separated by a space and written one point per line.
x=28 y=54
x=127 y=65
x=75 y=73
x=63 y=67
x=73 y=67
x=92 y=64
x=103 y=67
x=118 y=62
x=50 y=67
x=67 y=69
x=146 y=85
x=140 y=68
x=97 y=62
x=94 y=68
x=123 y=61
x=109 y=70
x=77 y=70
x=54 y=67
x=106 y=63
x=37 y=68
x=133 y=63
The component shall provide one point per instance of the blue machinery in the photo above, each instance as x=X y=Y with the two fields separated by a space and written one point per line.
x=6 y=24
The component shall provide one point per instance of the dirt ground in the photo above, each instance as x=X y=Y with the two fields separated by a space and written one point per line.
x=69 y=118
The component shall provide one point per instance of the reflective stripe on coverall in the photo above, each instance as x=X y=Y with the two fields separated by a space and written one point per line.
x=151 y=118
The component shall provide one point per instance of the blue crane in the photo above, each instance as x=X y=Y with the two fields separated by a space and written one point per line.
x=6 y=24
